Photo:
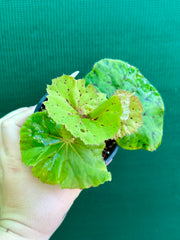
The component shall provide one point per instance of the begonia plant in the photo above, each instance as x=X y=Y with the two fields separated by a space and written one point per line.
x=64 y=143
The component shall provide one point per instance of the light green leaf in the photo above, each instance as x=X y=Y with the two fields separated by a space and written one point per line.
x=70 y=103
x=59 y=158
x=110 y=75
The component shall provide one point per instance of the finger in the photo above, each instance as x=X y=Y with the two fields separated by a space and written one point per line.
x=10 y=131
x=19 y=119
x=8 y=116
x=74 y=74
x=13 y=113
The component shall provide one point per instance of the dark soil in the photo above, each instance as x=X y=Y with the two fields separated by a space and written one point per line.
x=42 y=108
x=109 y=148
x=110 y=143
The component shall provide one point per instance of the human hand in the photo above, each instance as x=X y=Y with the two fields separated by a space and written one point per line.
x=29 y=208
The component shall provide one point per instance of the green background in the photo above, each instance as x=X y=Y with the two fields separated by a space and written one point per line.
x=40 y=40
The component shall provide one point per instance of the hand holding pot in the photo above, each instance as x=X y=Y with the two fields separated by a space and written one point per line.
x=29 y=208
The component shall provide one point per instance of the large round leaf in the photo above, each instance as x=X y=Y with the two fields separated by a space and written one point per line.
x=59 y=158
x=110 y=75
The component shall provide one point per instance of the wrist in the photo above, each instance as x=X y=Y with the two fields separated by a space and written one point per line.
x=13 y=230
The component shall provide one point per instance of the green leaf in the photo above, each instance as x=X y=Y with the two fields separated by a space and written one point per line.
x=70 y=103
x=131 y=118
x=59 y=158
x=110 y=75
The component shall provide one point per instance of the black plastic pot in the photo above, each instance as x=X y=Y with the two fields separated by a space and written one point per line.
x=109 y=154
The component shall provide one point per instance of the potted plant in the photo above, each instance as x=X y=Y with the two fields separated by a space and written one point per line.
x=66 y=141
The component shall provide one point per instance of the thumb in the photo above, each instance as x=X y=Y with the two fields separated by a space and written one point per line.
x=19 y=118
x=10 y=129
